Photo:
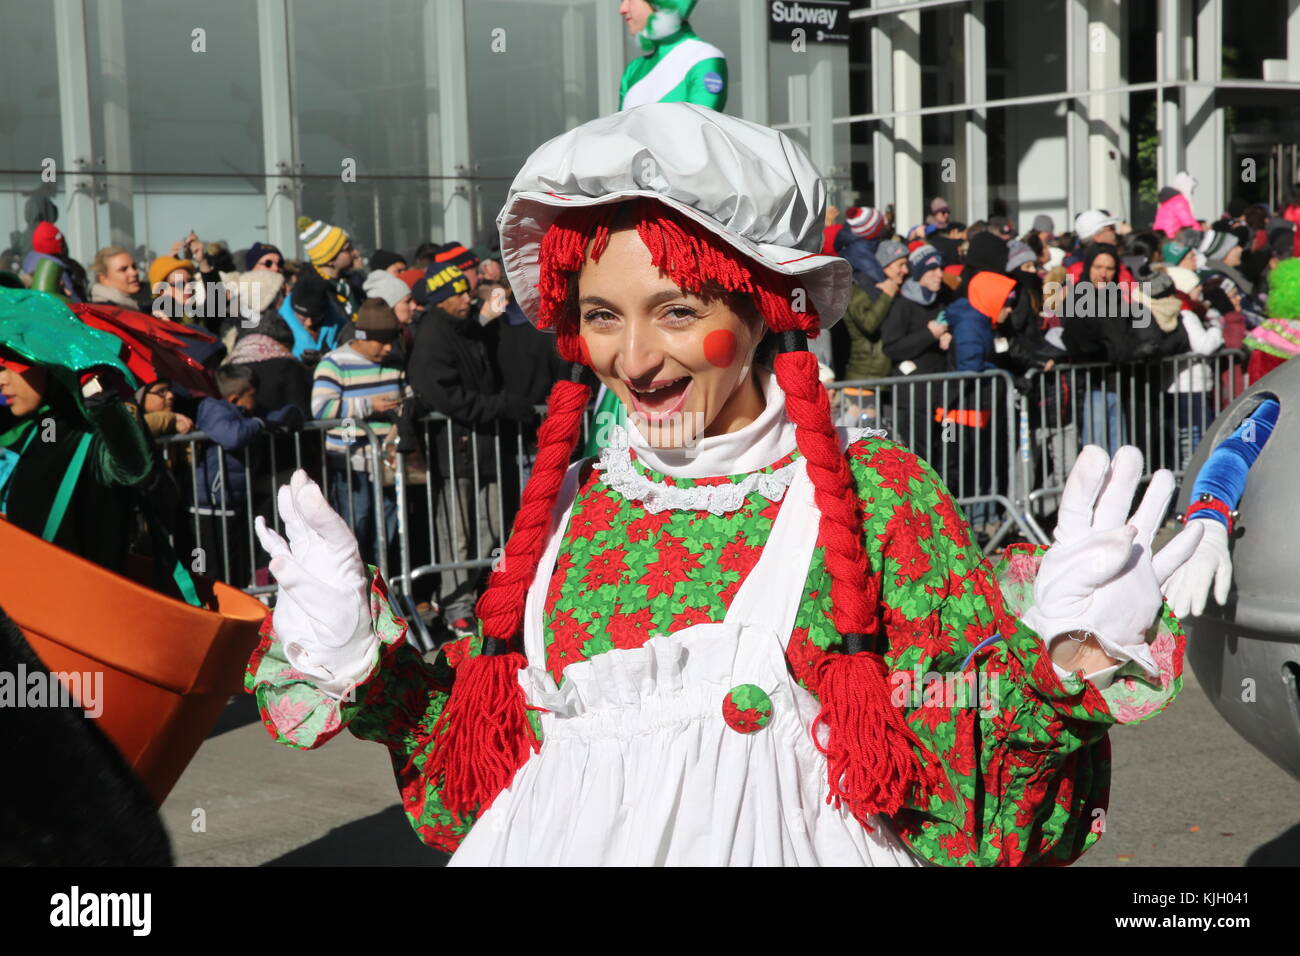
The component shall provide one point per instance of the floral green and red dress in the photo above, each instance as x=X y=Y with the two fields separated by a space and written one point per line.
x=1024 y=753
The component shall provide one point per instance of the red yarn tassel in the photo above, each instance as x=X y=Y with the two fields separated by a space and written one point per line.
x=869 y=757
x=483 y=736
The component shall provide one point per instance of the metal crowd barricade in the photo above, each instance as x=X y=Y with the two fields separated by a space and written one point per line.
x=218 y=519
x=456 y=501
x=1002 y=446
x=964 y=425
x=1162 y=407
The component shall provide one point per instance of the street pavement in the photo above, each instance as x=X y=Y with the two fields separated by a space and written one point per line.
x=1185 y=791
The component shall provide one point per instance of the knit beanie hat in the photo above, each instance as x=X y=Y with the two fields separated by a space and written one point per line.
x=384 y=285
x=1185 y=280
x=1215 y=244
x=321 y=241
x=667 y=19
x=1043 y=223
x=256 y=252
x=1173 y=252
x=1018 y=253
x=455 y=254
x=922 y=260
x=257 y=290
x=382 y=259
x=867 y=223
x=164 y=266
x=440 y=282
x=891 y=250
x=46 y=238
x=377 y=322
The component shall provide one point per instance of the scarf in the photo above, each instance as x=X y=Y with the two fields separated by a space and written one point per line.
x=104 y=293
x=915 y=292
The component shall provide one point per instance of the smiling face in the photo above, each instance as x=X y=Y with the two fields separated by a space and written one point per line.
x=931 y=279
x=680 y=362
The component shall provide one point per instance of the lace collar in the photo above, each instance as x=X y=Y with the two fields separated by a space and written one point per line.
x=716 y=495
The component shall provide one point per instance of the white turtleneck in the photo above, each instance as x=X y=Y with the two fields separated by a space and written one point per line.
x=767 y=439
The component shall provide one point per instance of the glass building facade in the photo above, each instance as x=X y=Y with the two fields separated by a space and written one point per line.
x=404 y=120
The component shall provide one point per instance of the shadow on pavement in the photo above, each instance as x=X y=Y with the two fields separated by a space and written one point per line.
x=1283 y=850
x=238 y=713
x=383 y=839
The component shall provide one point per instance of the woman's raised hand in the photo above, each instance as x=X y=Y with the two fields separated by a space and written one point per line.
x=1099 y=575
x=322 y=610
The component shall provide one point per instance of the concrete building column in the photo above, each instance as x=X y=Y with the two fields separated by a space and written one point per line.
x=453 y=150
x=78 y=220
x=1079 y=52
x=973 y=132
x=279 y=139
x=755 y=98
x=882 y=101
x=1172 y=62
x=1204 y=136
x=909 y=186
x=1107 y=120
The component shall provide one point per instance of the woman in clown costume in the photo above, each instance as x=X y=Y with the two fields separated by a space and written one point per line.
x=719 y=642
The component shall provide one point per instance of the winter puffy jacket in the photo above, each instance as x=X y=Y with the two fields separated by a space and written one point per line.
x=863 y=319
x=1173 y=214
x=972 y=338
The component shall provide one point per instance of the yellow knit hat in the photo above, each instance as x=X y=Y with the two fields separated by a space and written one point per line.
x=321 y=241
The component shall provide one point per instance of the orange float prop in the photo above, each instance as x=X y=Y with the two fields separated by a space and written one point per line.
x=168 y=668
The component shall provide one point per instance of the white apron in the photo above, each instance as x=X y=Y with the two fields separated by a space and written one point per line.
x=637 y=765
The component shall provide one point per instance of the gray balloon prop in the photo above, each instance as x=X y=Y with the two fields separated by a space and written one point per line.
x=1251 y=648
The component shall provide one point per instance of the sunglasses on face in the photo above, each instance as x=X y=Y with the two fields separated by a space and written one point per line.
x=271 y=262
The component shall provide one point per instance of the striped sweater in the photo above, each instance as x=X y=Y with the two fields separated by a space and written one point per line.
x=345 y=386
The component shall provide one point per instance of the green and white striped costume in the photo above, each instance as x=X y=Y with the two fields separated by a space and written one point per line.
x=680 y=68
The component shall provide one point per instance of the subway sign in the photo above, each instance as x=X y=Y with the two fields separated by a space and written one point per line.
x=821 y=21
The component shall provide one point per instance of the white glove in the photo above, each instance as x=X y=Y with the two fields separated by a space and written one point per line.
x=1100 y=576
x=1190 y=584
x=322 y=610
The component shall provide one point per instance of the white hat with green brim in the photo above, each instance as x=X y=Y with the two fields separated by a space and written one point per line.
x=750 y=185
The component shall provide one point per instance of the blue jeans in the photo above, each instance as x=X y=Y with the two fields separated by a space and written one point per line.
x=1102 y=422
x=357 y=507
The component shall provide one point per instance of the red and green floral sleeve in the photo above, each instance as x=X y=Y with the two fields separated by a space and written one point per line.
x=1023 y=758
x=397 y=704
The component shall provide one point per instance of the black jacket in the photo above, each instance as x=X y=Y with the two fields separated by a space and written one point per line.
x=451 y=371
x=906 y=337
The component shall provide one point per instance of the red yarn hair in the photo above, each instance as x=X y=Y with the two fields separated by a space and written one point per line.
x=696 y=260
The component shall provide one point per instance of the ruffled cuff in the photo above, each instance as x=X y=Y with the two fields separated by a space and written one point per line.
x=1129 y=693
x=294 y=708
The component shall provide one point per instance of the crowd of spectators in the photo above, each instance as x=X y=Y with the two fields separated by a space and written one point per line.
x=375 y=345
x=425 y=350
x=946 y=297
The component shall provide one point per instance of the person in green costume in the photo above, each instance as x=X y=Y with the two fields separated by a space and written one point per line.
x=678 y=67
x=81 y=450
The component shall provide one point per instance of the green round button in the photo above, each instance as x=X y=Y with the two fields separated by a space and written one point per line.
x=747 y=709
